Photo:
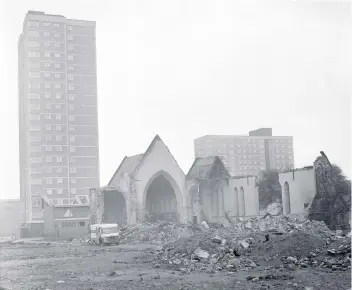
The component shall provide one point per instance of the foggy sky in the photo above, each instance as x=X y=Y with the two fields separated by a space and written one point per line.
x=183 y=69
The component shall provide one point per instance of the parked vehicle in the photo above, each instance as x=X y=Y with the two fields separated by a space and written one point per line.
x=102 y=234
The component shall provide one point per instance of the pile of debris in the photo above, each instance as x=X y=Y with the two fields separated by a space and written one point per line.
x=335 y=259
x=203 y=252
x=155 y=233
x=338 y=256
x=284 y=224
x=216 y=253
x=166 y=232
x=285 y=242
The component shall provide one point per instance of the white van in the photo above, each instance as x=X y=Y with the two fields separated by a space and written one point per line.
x=104 y=234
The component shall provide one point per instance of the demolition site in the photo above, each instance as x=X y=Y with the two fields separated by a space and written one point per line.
x=153 y=226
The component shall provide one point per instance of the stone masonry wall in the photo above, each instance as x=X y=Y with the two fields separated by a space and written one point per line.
x=96 y=205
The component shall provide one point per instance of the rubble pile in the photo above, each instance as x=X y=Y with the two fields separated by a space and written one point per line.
x=165 y=232
x=155 y=233
x=216 y=253
x=206 y=252
x=284 y=224
x=338 y=256
x=278 y=242
x=291 y=247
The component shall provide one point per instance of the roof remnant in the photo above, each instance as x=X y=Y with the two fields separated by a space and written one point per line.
x=128 y=165
x=202 y=168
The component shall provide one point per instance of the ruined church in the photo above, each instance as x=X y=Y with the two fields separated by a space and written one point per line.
x=152 y=186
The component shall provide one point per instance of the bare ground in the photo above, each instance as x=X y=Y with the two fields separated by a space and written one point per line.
x=67 y=266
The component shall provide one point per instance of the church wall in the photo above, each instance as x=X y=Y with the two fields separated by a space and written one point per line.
x=212 y=201
x=302 y=189
x=159 y=160
x=251 y=197
x=191 y=190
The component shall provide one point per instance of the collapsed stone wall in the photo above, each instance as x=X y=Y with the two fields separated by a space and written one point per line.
x=328 y=205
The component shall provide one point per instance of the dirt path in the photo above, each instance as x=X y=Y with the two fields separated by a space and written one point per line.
x=128 y=267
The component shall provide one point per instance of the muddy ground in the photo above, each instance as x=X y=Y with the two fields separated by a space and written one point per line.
x=67 y=266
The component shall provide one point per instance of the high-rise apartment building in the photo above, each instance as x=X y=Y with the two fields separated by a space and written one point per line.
x=248 y=155
x=58 y=120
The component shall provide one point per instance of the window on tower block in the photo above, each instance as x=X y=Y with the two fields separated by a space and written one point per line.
x=33 y=23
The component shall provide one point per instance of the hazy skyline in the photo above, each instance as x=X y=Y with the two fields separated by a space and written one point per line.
x=183 y=69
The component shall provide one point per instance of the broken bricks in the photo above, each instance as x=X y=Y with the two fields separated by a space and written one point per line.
x=241 y=245
x=200 y=254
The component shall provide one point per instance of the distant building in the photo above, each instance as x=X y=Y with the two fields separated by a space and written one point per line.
x=58 y=122
x=10 y=217
x=65 y=221
x=248 y=155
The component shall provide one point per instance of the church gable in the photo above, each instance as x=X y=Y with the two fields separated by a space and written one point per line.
x=157 y=157
x=218 y=170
